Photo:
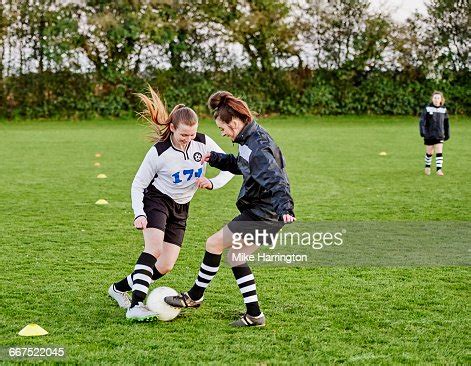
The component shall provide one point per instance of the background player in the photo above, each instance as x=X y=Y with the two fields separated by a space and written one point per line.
x=435 y=129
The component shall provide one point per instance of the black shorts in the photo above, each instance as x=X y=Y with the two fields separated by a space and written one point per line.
x=165 y=214
x=430 y=142
x=247 y=223
x=247 y=235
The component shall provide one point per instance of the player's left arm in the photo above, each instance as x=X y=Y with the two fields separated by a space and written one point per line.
x=266 y=172
x=223 y=177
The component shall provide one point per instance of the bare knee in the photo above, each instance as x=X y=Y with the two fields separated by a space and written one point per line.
x=164 y=266
x=153 y=239
x=213 y=245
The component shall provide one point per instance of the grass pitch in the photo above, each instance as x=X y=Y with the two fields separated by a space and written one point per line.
x=60 y=251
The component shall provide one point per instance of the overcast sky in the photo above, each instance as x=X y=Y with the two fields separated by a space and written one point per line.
x=400 y=9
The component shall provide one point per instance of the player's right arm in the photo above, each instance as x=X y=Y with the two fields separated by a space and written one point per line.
x=447 y=127
x=144 y=176
x=423 y=118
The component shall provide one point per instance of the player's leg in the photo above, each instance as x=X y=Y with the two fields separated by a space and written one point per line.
x=215 y=245
x=157 y=213
x=243 y=274
x=173 y=239
x=171 y=218
x=428 y=158
x=245 y=279
x=126 y=283
x=143 y=272
x=246 y=282
x=439 y=158
x=167 y=260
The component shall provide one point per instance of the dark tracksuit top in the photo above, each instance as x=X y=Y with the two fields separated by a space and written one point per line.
x=265 y=192
x=434 y=123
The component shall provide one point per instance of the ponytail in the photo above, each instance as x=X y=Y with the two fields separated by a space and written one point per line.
x=226 y=106
x=158 y=118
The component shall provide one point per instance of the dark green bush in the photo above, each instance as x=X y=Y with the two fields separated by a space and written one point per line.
x=302 y=91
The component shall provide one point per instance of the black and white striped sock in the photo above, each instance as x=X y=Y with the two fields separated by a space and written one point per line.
x=142 y=277
x=126 y=283
x=246 y=282
x=208 y=270
x=439 y=160
x=156 y=275
x=428 y=160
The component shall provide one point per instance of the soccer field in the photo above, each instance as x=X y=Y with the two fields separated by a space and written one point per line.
x=60 y=251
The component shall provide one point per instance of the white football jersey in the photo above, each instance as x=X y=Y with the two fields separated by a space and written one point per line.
x=174 y=172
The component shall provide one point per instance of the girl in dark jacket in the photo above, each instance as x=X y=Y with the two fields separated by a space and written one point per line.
x=264 y=202
x=435 y=129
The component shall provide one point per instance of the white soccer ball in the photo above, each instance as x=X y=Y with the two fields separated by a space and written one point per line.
x=155 y=302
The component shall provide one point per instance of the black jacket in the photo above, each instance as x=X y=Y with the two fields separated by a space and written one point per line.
x=434 y=123
x=265 y=192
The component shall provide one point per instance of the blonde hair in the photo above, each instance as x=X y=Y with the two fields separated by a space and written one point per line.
x=158 y=119
x=440 y=94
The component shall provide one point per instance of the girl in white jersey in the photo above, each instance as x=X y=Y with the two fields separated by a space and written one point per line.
x=161 y=191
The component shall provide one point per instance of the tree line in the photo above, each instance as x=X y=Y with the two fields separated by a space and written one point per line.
x=80 y=58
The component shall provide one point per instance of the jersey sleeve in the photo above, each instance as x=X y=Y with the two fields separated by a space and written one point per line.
x=223 y=177
x=447 y=127
x=149 y=167
x=224 y=162
x=422 y=121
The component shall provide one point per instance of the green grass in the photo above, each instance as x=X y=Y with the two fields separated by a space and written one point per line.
x=60 y=251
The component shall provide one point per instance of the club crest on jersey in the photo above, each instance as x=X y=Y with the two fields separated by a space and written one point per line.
x=197 y=156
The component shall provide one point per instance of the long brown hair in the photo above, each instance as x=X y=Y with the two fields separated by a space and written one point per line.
x=226 y=106
x=158 y=118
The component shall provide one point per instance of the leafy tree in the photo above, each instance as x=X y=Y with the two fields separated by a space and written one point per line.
x=345 y=34
x=262 y=27
x=112 y=34
x=449 y=27
x=438 y=43
x=4 y=24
